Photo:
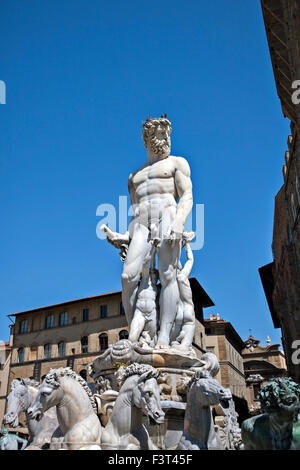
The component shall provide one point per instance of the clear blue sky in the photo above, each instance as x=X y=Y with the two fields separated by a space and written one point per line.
x=81 y=77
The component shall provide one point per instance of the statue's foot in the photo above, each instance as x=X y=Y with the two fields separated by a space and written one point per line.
x=182 y=347
x=162 y=345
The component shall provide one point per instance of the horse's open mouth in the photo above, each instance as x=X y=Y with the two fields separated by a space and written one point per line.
x=37 y=415
x=152 y=421
x=13 y=422
x=158 y=420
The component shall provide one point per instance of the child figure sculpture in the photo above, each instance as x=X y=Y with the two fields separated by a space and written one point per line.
x=144 y=323
x=184 y=326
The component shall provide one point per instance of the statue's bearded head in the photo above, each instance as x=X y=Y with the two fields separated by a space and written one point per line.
x=156 y=136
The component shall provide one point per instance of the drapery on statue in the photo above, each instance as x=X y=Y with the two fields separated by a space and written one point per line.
x=157 y=220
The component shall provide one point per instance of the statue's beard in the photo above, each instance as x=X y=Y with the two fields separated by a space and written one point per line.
x=160 y=147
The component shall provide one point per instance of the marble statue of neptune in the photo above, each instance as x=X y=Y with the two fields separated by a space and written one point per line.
x=161 y=196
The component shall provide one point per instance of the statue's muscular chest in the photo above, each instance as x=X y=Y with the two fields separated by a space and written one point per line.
x=162 y=170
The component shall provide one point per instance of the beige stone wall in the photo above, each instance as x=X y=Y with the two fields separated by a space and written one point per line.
x=231 y=373
x=285 y=53
x=212 y=345
x=4 y=377
x=33 y=342
x=199 y=336
x=37 y=336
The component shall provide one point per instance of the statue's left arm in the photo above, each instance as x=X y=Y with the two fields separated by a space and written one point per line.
x=185 y=272
x=183 y=185
x=22 y=441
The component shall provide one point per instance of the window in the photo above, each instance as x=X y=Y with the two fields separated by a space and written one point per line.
x=103 y=311
x=49 y=321
x=298 y=189
x=21 y=355
x=85 y=314
x=85 y=344
x=256 y=388
x=122 y=311
x=123 y=334
x=23 y=326
x=47 y=351
x=103 y=342
x=293 y=207
x=63 y=319
x=61 y=349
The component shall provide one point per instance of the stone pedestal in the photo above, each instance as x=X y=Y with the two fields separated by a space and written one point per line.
x=176 y=370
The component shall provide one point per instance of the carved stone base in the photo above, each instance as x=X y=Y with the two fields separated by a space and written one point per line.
x=176 y=370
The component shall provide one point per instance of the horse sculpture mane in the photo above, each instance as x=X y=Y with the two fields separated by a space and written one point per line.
x=139 y=396
x=26 y=381
x=136 y=369
x=54 y=375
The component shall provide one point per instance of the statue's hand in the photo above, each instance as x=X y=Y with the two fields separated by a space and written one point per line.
x=114 y=238
x=174 y=235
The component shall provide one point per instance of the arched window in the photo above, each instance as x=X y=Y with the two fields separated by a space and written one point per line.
x=103 y=311
x=103 y=342
x=83 y=374
x=63 y=319
x=84 y=344
x=85 y=314
x=61 y=349
x=122 y=311
x=49 y=322
x=123 y=334
x=23 y=326
x=21 y=355
x=47 y=351
x=294 y=212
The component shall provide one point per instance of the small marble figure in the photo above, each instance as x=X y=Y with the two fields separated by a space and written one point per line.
x=11 y=441
x=145 y=320
x=184 y=326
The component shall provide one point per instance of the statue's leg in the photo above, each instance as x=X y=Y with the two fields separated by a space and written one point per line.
x=137 y=250
x=186 y=335
x=137 y=326
x=169 y=296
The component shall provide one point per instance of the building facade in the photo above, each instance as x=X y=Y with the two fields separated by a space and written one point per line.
x=261 y=363
x=281 y=277
x=73 y=333
x=5 y=355
x=67 y=334
x=222 y=340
